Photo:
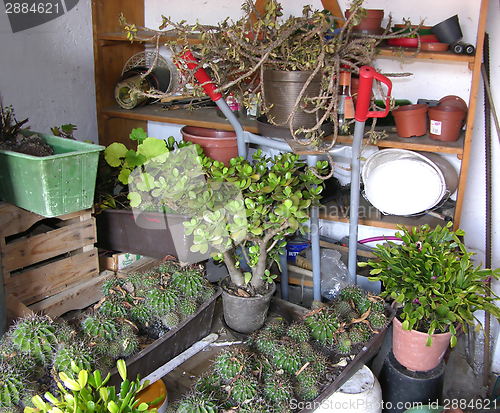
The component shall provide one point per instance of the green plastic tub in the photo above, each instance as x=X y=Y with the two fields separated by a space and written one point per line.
x=52 y=185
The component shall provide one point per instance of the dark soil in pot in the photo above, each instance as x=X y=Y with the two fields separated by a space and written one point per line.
x=29 y=145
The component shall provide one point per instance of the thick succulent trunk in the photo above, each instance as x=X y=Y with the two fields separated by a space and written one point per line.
x=235 y=274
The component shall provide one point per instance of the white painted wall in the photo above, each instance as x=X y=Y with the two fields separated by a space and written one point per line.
x=47 y=74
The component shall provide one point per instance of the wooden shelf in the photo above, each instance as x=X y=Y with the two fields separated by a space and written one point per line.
x=203 y=117
x=393 y=52
x=420 y=143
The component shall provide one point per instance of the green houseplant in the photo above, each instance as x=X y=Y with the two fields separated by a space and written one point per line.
x=242 y=210
x=431 y=275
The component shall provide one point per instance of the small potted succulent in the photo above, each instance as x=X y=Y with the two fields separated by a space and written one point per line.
x=430 y=275
x=242 y=210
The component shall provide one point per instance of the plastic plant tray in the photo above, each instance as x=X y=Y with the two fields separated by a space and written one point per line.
x=52 y=185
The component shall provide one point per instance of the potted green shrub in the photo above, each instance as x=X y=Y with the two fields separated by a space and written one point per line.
x=242 y=210
x=432 y=277
x=248 y=56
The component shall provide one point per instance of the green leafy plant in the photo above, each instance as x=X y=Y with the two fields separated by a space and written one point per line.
x=244 y=206
x=89 y=393
x=64 y=131
x=432 y=276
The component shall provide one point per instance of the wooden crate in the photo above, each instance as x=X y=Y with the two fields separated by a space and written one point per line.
x=49 y=264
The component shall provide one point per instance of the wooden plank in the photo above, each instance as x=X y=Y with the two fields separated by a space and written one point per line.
x=333 y=7
x=75 y=298
x=15 y=308
x=144 y=264
x=14 y=220
x=29 y=251
x=46 y=280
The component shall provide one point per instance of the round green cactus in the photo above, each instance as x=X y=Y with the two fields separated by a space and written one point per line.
x=110 y=284
x=142 y=314
x=287 y=357
x=265 y=342
x=98 y=325
x=77 y=351
x=187 y=306
x=189 y=281
x=299 y=332
x=34 y=335
x=278 y=388
x=196 y=403
x=276 y=327
x=171 y=319
x=377 y=320
x=359 y=333
x=342 y=308
x=323 y=326
x=12 y=384
x=114 y=306
x=308 y=384
x=344 y=343
x=231 y=362
x=161 y=301
x=244 y=389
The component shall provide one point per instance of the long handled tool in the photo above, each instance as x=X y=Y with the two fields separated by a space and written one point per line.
x=366 y=76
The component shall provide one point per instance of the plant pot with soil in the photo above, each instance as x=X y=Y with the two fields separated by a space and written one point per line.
x=430 y=276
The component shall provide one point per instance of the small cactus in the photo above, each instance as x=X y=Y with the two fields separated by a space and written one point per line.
x=79 y=352
x=323 y=326
x=189 y=281
x=244 y=389
x=231 y=362
x=161 y=301
x=377 y=320
x=110 y=284
x=342 y=308
x=287 y=357
x=128 y=342
x=141 y=314
x=265 y=342
x=170 y=319
x=114 y=306
x=378 y=306
x=35 y=336
x=97 y=325
x=276 y=328
x=299 y=332
x=343 y=343
x=187 y=306
x=359 y=333
x=196 y=403
x=208 y=383
x=12 y=384
x=307 y=384
x=278 y=388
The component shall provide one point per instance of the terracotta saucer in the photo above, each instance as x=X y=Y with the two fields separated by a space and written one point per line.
x=434 y=47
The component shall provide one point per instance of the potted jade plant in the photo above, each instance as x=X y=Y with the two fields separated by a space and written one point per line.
x=240 y=211
x=430 y=275
x=251 y=56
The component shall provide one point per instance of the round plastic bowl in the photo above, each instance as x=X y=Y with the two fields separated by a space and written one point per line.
x=152 y=392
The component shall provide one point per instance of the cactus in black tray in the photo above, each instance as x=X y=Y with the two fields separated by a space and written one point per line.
x=278 y=388
x=276 y=327
x=307 y=386
x=64 y=332
x=98 y=325
x=359 y=333
x=207 y=292
x=170 y=319
x=231 y=362
x=114 y=306
x=244 y=389
x=323 y=325
x=208 y=383
x=34 y=335
x=264 y=341
x=344 y=343
x=351 y=291
x=298 y=331
x=342 y=308
x=12 y=384
x=378 y=305
x=287 y=357
x=187 y=306
x=79 y=352
x=377 y=320
x=142 y=314
x=161 y=300
x=110 y=284
x=189 y=281
x=316 y=360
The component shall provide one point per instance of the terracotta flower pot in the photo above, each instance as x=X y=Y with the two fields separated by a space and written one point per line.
x=410 y=350
x=411 y=120
x=217 y=144
x=371 y=23
x=446 y=122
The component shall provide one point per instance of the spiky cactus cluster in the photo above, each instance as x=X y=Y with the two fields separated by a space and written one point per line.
x=323 y=325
